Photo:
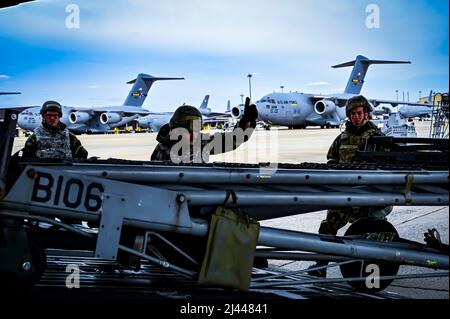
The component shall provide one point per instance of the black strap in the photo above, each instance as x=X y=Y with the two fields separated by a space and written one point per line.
x=233 y=195
x=234 y=206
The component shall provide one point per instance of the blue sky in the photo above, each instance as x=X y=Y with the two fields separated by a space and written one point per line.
x=214 y=44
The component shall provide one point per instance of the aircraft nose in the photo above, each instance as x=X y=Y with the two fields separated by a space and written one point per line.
x=262 y=111
x=20 y=119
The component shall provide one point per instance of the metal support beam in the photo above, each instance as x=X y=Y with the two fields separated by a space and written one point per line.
x=7 y=132
x=110 y=228
x=360 y=249
x=330 y=199
x=252 y=176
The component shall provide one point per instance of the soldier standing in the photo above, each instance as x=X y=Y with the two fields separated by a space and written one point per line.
x=52 y=139
x=358 y=129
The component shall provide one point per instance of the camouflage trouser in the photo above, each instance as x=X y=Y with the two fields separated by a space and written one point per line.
x=338 y=218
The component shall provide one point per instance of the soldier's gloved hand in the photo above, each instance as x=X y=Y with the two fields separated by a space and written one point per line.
x=250 y=111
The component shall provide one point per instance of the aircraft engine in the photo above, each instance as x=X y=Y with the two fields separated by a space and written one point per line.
x=324 y=107
x=110 y=118
x=237 y=111
x=143 y=122
x=79 y=117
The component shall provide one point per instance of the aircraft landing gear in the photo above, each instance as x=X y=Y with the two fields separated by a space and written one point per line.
x=297 y=127
x=379 y=228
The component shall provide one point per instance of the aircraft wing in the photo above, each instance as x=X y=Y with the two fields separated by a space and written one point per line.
x=341 y=100
x=315 y=98
x=14 y=107
x=120 y=109
x=376 y=102
x=216 y=119
x=216 y=114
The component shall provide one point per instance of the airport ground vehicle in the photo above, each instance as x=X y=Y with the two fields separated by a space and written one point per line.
x=159 y=212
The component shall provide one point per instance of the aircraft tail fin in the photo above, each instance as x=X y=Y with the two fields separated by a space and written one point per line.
x=204 y=104
x=141 y=86
x=228 y=107
x=360 y=66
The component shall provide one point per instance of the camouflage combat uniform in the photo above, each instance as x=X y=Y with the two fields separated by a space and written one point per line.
x=199 y=151
x=344 y=150
x=53 y=142
x=205 y=144
x=162 y=150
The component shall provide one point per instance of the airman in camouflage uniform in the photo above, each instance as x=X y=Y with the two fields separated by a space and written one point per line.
x=358 y=130
x=52 y=139
x=344 y=149
x=184 y=129
x=181 y=141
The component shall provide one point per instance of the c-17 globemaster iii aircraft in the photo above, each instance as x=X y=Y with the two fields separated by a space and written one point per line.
x=102 y=118
x=155 y=120
x=298 y=110
x=409 y=111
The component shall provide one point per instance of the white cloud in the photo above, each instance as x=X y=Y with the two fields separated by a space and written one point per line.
x=251 y=27
x=261 y=27
x=94 y=86
x=4 y=76
x=290 y=42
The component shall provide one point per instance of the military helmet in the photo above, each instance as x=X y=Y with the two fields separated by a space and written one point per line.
x=356 y=101
x=184 y=116
x=51 y=106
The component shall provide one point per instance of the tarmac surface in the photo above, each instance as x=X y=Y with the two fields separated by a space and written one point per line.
x=296 y=146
